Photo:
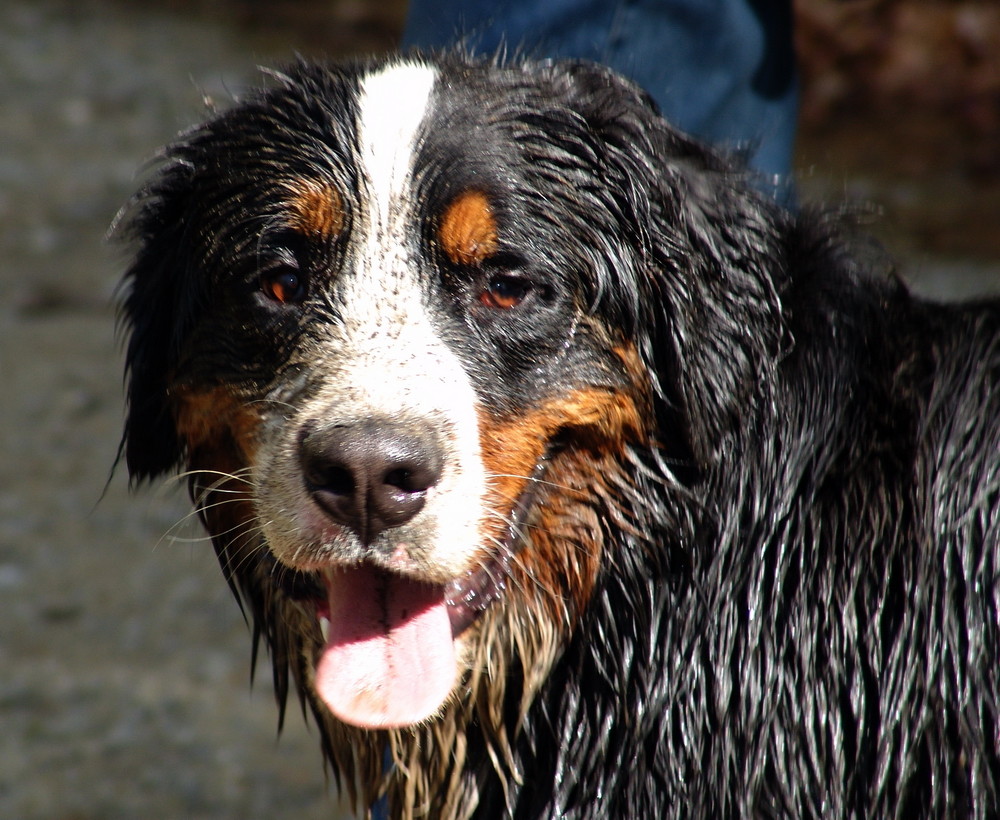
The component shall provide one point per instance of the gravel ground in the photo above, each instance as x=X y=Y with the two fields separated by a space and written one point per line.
x=124 y=680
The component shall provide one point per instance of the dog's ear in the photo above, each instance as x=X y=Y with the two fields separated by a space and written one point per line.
x=151 y=315
x=709 y=260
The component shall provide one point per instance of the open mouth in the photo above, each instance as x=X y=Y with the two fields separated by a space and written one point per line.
x=389 y=655
x=467 y=598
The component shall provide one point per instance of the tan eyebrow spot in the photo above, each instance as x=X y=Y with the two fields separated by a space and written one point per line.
x=468 y=230
x=317 y=208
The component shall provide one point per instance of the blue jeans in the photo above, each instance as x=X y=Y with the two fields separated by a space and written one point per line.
x=723 y=70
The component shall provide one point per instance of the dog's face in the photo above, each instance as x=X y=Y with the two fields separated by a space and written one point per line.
x=378 y=313
x=425 y=334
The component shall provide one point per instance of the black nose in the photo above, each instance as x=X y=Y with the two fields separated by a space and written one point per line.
x=370 y=476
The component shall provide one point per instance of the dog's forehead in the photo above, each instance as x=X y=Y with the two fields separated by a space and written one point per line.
x=384 y=318
x=403 y=142
x=394 y=103
x=418 y=124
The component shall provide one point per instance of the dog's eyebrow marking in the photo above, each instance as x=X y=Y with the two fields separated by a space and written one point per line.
x=317 y=208
x=468 y=229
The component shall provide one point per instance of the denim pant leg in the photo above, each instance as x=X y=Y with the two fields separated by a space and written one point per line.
x=723 y=70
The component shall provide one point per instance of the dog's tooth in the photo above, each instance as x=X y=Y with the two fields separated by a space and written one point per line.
x=324 y=627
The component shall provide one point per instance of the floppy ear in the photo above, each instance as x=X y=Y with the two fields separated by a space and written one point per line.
x=710 y=261
x=151 y=318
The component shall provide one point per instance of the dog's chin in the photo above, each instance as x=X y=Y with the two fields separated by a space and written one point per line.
x=392 y=652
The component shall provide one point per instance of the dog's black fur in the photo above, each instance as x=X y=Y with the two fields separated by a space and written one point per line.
x=797 y=610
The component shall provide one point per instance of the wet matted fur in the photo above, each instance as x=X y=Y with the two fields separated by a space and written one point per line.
x=698 y=516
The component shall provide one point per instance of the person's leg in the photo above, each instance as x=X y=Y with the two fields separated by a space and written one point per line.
x=723 y=70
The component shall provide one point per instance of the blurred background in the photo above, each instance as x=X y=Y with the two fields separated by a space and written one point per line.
x=124 y=662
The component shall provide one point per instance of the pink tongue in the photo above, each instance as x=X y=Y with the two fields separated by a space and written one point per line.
x=389 y=660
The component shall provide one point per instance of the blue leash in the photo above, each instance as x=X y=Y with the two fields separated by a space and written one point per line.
x=380 y=808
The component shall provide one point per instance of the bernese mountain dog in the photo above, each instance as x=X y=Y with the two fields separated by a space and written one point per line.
x=561 y=471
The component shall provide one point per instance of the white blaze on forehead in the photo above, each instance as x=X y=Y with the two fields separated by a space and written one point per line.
x=384 y=294
x=394 y=104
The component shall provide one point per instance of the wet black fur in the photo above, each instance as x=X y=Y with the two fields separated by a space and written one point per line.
x=798 y=613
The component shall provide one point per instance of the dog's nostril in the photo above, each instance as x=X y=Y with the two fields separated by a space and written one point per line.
x=412 y=478
x=370 y=476
x=398 y=478
x=333 y=477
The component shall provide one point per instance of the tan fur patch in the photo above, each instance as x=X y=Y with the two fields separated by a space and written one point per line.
x=602 y=422
x=468 y=230
x=219 y=431
x=317 y=209
x=601 y=419
x=205 y=418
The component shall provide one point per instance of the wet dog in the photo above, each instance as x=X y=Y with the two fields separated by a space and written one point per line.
x=562 y=473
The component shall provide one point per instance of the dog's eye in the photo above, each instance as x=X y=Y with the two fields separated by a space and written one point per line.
x=505 y=292
x=283 y=285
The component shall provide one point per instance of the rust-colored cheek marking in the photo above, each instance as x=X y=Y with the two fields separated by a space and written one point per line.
x=220 y=433
x=468 y=229
x=565 y=537
x=316 y=209
x=559 y=569
x=596 y=420
x=214 y=417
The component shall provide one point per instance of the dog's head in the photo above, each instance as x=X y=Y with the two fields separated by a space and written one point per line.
x=422 y=331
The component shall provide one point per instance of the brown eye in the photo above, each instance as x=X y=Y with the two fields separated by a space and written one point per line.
x=505 y=292
x=283 y=285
